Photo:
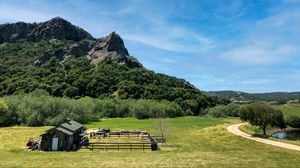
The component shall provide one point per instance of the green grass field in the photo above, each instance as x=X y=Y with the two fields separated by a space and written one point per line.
x=289 y=110
x=192 y=142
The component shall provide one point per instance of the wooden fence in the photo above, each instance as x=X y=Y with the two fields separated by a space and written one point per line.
x=119 y=135
x=122 y=145
x=159 y=139
x=148 y=141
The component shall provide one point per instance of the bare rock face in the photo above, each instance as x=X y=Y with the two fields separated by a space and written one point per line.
x=111 y=46
x=58 y=28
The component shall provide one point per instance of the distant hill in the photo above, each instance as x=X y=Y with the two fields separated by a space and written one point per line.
x=246 y=97
x=66 y=61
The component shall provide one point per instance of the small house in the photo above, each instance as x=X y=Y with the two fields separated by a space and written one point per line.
x=64 y=137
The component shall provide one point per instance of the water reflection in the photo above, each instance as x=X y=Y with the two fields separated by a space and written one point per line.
x=289 y=135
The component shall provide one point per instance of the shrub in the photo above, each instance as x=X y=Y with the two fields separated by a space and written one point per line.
x=39 y=108
x=3 y=113
x=218 y=111
x=233 y=110
x=230 y=110
x=293 y=121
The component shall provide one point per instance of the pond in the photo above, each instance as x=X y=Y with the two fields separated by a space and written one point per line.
x=289 y=135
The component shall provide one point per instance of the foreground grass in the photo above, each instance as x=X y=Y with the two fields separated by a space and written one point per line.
x=192 y=142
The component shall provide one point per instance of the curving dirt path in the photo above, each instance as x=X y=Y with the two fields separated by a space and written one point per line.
x=235 y=130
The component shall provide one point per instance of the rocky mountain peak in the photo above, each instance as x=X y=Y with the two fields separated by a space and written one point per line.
x=56 y=28
x=95 y=50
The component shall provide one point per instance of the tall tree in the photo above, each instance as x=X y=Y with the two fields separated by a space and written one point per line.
x=262 y=115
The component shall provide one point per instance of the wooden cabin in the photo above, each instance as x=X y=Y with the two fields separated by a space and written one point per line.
x=64 y=137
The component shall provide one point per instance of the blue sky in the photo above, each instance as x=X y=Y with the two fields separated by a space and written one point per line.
x=244 y=45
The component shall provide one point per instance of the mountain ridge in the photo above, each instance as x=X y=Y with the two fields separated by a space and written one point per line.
x=95 y=50
x=238 y=96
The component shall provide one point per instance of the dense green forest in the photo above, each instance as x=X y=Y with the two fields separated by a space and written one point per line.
x=74 y=65
x=76 y=78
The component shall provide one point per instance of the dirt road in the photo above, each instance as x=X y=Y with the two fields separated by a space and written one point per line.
x=235 y=130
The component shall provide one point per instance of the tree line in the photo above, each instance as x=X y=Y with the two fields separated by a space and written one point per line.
x=39 y=108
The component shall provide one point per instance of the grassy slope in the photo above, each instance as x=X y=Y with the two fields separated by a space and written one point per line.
x=192 y=142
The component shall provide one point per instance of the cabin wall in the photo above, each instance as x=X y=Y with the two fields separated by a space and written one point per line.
x=46 y=142
x=65 y=142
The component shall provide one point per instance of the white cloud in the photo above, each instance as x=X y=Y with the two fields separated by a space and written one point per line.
x=172 y=38
x=251 y=54
x=271 y=40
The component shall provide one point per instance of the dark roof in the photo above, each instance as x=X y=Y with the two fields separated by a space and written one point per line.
x=64 y=131
x=77 y=124
x=69 y=127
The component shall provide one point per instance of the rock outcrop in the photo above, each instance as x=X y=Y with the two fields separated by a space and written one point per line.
x=15 y=32
x=111 y=46
x=56 y=28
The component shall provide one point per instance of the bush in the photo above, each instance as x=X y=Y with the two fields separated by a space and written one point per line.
x=36 y=110
x=230 y=110
x=39 y=108
x=233 y=110
x=293 y=121
x=218 y=111
x=3 y=113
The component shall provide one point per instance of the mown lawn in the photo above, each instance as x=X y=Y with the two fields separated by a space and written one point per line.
x=192 y=142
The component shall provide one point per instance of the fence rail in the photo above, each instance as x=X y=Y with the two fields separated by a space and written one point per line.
x=119 y=135
x=148 y=141
x=121 y=145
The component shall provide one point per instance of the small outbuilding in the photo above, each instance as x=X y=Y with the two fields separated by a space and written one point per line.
x=64 y=137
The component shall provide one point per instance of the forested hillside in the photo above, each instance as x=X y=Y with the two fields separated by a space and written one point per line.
x=280 y=97
x=73 y=64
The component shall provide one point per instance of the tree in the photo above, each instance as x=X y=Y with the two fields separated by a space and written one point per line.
x=293 y=121
x=231 y=110
x=262 y=115
x=3 y=113
x=71 y=91
x=161 y=124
